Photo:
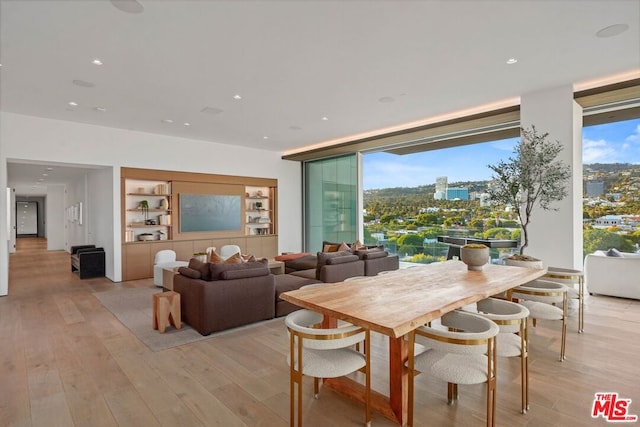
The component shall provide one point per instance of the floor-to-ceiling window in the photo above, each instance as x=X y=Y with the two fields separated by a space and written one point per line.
x=409 y=200
x=331 y=195
x=611 y=208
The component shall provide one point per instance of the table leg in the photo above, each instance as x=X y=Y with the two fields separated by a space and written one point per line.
x=393 y=407
x=398 y=378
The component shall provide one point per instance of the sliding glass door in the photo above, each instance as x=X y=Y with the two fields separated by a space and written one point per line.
x=331 y=201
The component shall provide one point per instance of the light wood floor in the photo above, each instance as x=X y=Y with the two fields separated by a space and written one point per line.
x=66 y=361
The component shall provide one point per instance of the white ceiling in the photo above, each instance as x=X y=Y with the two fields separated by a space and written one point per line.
x=295 y=62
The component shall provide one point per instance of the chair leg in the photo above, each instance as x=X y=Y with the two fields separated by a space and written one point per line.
x=524 y=365
x=563 y=341
x=491 y=382
x=367 y=397
x=452 y=393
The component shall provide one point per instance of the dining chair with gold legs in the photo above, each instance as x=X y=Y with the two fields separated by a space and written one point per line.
x=512 y=341
x=540 y=297
x=324 y=353
x=463 y=354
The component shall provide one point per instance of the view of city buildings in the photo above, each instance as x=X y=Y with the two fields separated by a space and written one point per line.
x=407 y=220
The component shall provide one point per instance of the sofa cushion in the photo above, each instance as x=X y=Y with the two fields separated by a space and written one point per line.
x=189 y=272
x=302 y=263
x=371 y=253
x=290 y=282
x=202 y=267
x=238 y=271
x=341 y=259
x=323 y=257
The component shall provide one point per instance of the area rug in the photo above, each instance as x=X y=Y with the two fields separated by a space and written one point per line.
x=133 y=307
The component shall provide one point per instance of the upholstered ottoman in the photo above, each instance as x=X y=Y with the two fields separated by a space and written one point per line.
x=285 y=283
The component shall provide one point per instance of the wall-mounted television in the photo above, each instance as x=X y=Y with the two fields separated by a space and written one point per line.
x=210 y=212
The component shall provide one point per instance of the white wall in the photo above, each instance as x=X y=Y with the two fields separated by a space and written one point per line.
x=100 y=212
x=76 y=193
x=556 y=236
x=55 y=220
x=32 y=138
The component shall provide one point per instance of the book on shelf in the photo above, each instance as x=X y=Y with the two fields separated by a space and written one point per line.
x=161 y=189
x=164 y=219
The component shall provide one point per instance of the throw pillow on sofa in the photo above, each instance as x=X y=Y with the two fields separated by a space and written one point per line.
x=217 y=259
x=614 y=252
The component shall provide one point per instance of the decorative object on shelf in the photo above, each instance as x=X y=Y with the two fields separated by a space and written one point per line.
x=143 y=205
x=150 y=222
x=161 y=235
x=140 y=190
x=259 y=193
x=145 y=236
x=532 y=177
x=164 y=204
x=474 y=255
x=258 y=205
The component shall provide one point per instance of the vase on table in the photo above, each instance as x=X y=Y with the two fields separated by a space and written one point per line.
x=475 y=256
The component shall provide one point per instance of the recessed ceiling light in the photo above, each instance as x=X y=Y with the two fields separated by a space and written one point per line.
x=167 y=121
x=49 y=169
x=45 y=174
x=83 y=83
x=511 y=61
x=128 y=6
x=265 y=137
x=101 y=109
x=612 y=30
x=187 y=124
x=236 y=96
x=96 y=62
x=73 y=104
x=325 y=118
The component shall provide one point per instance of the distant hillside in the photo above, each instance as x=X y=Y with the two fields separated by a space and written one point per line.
x=609 y=167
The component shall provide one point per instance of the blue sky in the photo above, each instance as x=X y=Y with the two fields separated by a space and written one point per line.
x=611 y=143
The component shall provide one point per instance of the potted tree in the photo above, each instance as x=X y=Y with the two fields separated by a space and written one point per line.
x=532 y=177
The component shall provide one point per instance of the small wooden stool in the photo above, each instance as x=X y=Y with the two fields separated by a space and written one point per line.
x=166 y=310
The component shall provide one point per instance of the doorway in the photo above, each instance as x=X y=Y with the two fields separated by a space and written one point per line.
x=27 y=219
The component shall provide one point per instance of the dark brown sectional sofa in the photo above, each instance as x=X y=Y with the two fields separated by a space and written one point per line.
x=215 y=297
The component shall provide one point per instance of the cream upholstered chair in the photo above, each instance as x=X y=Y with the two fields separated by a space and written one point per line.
x=324 y=353
x=227 y=250
x=540 y=297
x=512 y=341
x=165 y=258
x=463 y=354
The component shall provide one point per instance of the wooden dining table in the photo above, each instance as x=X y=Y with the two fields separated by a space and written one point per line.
x=397 y=302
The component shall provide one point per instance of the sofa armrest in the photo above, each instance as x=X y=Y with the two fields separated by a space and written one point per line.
x=374 y=266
